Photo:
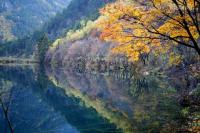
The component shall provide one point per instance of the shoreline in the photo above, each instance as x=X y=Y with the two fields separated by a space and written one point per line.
x=17 y=61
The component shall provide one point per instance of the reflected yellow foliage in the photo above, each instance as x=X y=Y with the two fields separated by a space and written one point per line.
x=121 y=121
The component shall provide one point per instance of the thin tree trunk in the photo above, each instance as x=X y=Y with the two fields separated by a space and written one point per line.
x=6 y=116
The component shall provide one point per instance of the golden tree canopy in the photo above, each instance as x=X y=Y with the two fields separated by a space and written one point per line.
x=154 y=26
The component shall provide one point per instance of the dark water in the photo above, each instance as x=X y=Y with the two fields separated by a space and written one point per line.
x=62 y=101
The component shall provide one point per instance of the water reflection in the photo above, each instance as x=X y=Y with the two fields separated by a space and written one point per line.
x=64 y=101
x=138 y=104
x=30 y=103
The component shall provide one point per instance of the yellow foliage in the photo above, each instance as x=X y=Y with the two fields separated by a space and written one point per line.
x=174 y=59
x=55 y=44
x=75 y=35
x=78 y=34
x=135 y=26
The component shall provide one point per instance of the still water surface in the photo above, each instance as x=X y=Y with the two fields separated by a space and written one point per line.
x=63 y=101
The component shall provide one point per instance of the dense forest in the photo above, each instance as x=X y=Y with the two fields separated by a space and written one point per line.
x=123 y=35
x=53 y=27
x=21 y=18
x=121 y=53
x=143 y=37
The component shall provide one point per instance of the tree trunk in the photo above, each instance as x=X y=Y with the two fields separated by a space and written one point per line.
x=198 y=50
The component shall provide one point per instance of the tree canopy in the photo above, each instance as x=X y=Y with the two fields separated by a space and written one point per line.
x=156 y=26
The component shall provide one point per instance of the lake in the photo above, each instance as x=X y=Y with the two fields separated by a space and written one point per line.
x=64 y=101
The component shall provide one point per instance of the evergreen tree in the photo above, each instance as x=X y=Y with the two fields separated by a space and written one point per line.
x=43 y=45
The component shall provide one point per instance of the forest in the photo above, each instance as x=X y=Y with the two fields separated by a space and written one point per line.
x=160 y=38
x=132 y=65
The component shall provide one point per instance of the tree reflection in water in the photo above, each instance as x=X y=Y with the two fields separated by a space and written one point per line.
x=137 y=104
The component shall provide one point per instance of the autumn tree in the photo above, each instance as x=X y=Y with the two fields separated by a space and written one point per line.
x=156 y=26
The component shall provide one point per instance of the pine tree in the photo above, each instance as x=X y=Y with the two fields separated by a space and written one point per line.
x=43 y=45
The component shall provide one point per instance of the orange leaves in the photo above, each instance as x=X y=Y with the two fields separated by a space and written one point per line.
x=141 y=47
x=128 y=50
x=117 y=23
x=132 y=51
x=147 y=27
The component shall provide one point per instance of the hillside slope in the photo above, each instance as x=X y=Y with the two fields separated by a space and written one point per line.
x=19 y=18
x=71 y=18
x=77 y=12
